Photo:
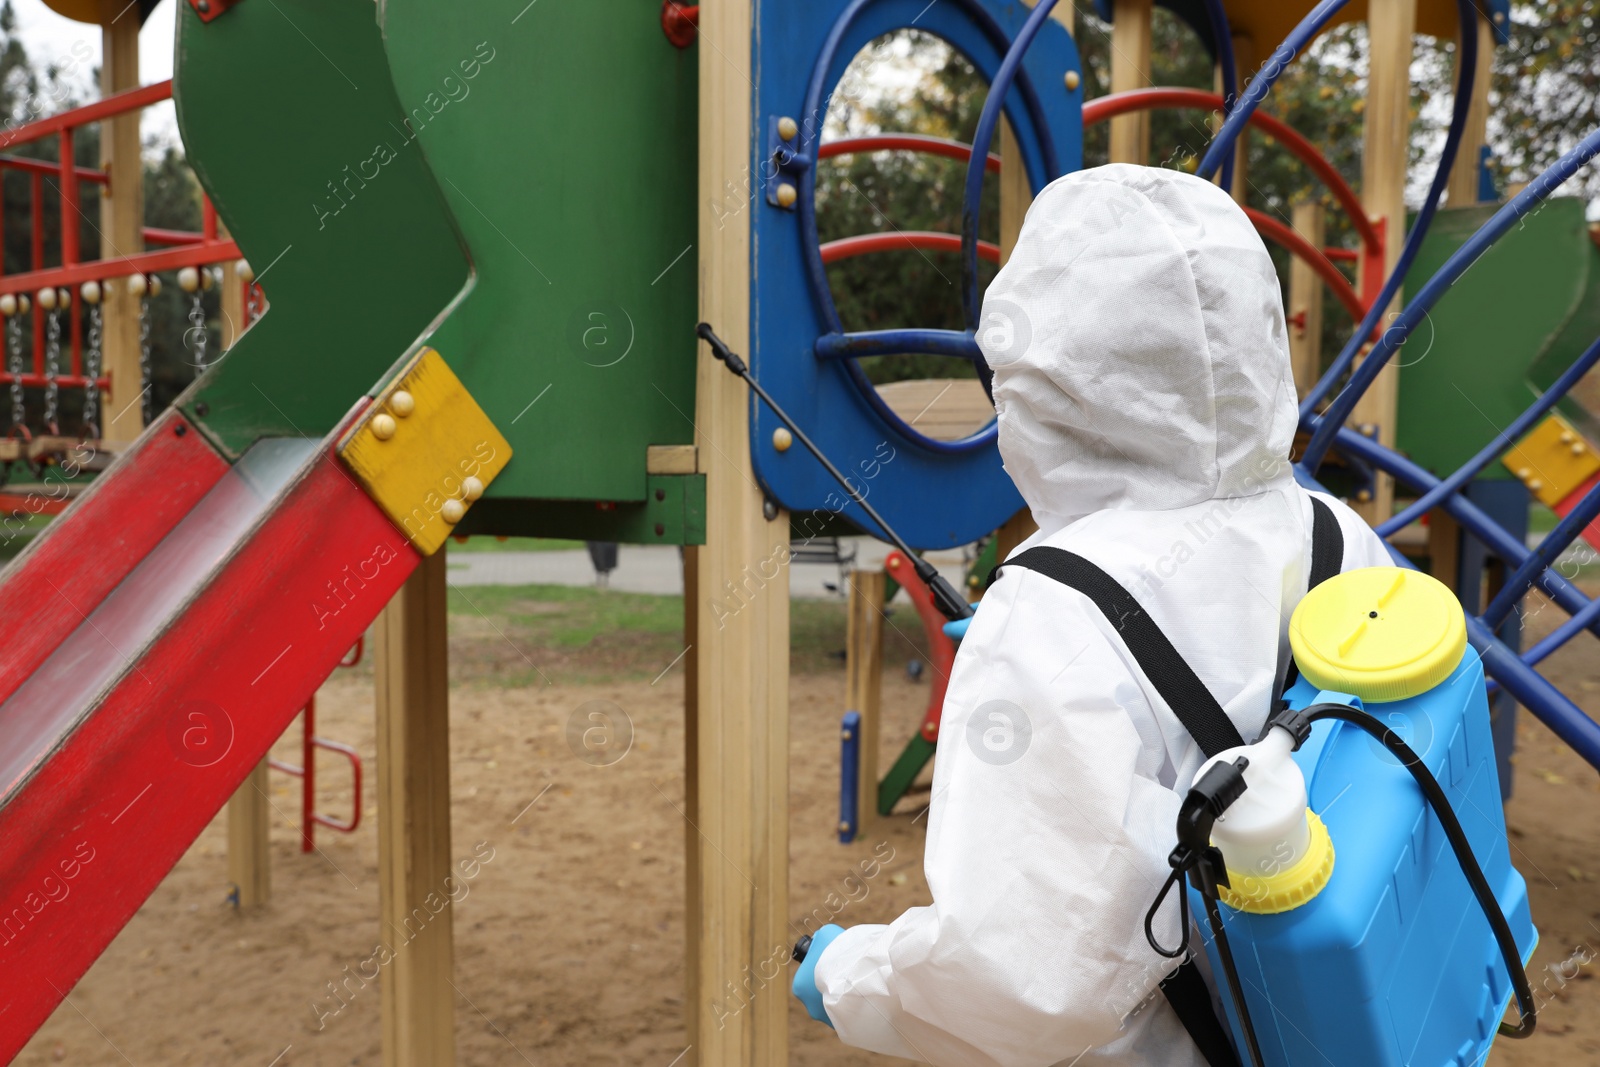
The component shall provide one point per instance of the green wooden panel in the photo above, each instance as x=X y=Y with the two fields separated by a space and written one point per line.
x=292 y=125
x=563 y=137
x=673 y=512
x=1469 y=370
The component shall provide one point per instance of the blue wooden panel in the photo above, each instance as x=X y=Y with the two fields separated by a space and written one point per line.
x=935 y=494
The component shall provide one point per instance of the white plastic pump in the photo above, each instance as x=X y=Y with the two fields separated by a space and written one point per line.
x=1265 y=832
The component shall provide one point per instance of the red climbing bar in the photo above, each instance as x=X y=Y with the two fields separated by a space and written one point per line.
x=902 y=240
x=905 y=142
x=1272 y=229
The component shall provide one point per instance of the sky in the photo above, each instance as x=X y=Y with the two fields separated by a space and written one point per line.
x=49 y=37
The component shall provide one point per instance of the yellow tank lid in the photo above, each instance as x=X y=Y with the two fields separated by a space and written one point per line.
x=1379 y=633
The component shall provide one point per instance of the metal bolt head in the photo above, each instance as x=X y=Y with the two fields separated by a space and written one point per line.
x=1072 y=80
x=769 y=509
x=1364 y=496
x=1578 y=448
x=383 y=426
x=782 y=439
x=471 y=488
x=787 y=128
x=1535 y=485
x=204 y=7
x=402 y=403
x=787 y=195
x=453 y=511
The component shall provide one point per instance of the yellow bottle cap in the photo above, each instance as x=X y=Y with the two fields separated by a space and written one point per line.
x=1280 y=891
x=1379 y=633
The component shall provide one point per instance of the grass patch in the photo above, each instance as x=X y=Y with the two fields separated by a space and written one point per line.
x=530 y=634
x=19 y=531
x=513 y=544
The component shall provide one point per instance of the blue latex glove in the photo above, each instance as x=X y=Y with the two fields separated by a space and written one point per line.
x=958 y=629
x=805 y=979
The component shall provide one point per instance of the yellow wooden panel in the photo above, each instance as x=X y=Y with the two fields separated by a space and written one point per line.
x=1553 y=460
x=418 y=459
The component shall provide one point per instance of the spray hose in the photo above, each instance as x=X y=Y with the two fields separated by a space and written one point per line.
x=1202 y=861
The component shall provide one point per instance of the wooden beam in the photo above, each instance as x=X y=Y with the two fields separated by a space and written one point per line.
x=1462 y=190
x=1244 y=62
x=1130 y=69
x=738 y=928
x=1385 y=148
x=232 y=298
x=121 y=222
x=1305 y=298
x=414 y=861
x=249 y=860
x=1444 y=547
x=863 y=686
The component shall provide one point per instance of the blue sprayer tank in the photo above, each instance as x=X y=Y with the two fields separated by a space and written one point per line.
x=1392 y=961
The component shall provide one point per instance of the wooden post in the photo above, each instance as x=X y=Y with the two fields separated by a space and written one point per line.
x=249 y=862
x=1462 y=191
x=1130 y=69
x=414 y=860
x=121 y=222
x=863 y=686
x=1444 y=547
x=1385 y=147
x=1305 y=298
x=738 y=869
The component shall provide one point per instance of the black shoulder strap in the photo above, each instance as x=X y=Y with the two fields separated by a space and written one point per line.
x=1327 y=544
x=1190 y=998
x=1199 y=713
x=1174 y=679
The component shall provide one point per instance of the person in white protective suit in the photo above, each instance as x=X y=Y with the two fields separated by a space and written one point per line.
x=1146 y=408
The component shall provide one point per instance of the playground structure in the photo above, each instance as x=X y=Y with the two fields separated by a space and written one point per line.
x=424 y=305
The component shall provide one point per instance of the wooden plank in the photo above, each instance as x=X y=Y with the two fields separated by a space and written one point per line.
x=1462 y=190
x=121 y=223
x=1309 y=219
x=738 y=882
x=863 y=690
x=1385 y=148
x=249 y=860
x=412 y=670
x=1013 y=532
x=670 y=459
x=1244 y=63
x=1444 y=547
x=1130 y=69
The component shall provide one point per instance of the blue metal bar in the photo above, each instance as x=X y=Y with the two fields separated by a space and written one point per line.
x=1467 y=64
x=1540 y=559
x=1222 y=145
x=1574 y=626
x=1326 y=427
x=1566 y=595
x=1230 y=73
x=1524 y=683
x=849 y=777
x=988 y=120
x=957 y=343
x=1519 y=426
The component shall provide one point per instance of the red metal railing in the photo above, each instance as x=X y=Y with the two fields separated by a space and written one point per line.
x=306 y=771
x=899 y=240
x=905 y=142
x=188 y=249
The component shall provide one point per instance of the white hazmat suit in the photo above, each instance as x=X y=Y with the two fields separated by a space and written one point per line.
x=1146 y=406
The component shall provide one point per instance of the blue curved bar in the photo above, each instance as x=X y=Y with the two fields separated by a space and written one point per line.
x=972 y=196
x=1326 y=427
x=1467 y=60
x=1222 y=145
x=1490 y=452
x=1574 y=626
x=956 y=343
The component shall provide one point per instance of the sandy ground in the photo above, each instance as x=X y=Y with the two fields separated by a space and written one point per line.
x=569 y=941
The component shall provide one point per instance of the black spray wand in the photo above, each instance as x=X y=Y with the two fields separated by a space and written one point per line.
x=949 y=602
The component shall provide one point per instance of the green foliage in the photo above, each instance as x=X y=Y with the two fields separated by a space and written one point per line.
x=1546 y=90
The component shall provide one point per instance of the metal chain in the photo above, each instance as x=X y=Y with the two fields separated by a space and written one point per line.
x=252 y=303
x=197 y=329
x=52 y=370
x=146 y=401
x=19 y=411
x=91 y=374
